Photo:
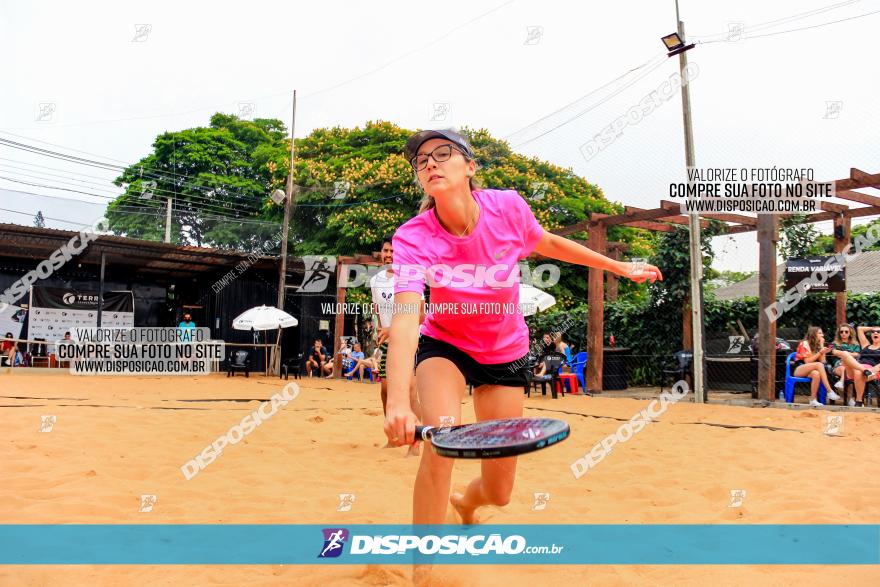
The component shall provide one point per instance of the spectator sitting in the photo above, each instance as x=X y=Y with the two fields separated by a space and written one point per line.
x=319 y=359
x=563 y=348
x=845 y=351
x=541 y=368
x=360 y=362
x=810 y=362
x=8 y=349
x=869 y=356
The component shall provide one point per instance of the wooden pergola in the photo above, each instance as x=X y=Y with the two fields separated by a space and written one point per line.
x=664 y=219
x=669 y=214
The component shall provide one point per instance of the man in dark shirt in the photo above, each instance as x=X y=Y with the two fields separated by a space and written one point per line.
x=319 y=359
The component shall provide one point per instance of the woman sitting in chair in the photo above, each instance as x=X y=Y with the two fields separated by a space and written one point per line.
x=810 y=362
x=845 y=351
x=9 y=349
x=562 y=348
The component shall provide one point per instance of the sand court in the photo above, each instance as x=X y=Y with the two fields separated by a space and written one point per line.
x=112 y=448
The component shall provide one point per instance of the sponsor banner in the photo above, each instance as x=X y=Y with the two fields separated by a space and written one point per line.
x=792 y=544
x=56 y=310
x=824 y=274
x=11 y=320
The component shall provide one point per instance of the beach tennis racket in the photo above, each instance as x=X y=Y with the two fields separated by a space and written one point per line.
x=492 y=439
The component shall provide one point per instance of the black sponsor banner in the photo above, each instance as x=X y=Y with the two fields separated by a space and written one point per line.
x=56 y=310
x=822 y=274
x=70 y=299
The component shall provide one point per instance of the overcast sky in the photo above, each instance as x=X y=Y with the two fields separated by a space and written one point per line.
x=116 y=74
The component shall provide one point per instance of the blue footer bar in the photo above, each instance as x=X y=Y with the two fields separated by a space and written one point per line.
x=654 y=544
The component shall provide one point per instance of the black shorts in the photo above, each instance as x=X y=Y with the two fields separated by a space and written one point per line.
x=511 y=374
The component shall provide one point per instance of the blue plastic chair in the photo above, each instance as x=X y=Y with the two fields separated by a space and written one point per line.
x=791 y=381
x=367 y=373
x=578 y=366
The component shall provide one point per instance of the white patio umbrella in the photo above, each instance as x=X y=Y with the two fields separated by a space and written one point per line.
x=265 y=318
x=533 y=300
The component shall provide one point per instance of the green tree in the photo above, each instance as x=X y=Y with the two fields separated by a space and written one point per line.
x=797 y=238
x=39 y=221
x=353 y=188
x=219 y=178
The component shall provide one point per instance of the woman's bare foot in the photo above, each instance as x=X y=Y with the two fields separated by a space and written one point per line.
x=466 y=513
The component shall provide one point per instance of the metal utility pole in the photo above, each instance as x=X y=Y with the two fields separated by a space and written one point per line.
x=694 y=227
x=288 y=202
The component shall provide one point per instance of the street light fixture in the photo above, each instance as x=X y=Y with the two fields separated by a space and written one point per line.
x=675 y=44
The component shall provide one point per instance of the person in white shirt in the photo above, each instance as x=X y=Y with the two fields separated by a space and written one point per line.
x=382 y=288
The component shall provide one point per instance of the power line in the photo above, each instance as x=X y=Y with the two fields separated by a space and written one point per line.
x=804 y=28
x=112 y=198
x=588 y=94
x=782 y=20
x=594 y=106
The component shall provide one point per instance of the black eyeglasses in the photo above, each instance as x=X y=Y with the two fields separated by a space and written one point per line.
x=440 y=154
x=875 y=332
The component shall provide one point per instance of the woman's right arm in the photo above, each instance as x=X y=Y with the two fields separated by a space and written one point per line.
x=400 y=421
x=863 y=340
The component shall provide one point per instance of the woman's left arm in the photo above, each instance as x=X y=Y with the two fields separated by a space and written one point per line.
x=560 y=248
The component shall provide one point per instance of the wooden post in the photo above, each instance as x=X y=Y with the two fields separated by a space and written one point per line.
x=596 y=314
x=845 y=225
x=687 y=331
x=611 y=278
x=339 y=326
x=767 y=237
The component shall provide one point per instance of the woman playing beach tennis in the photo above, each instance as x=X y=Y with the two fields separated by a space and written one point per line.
x=465 y=243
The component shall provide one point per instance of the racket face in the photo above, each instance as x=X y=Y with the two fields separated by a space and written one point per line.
x=498 y=438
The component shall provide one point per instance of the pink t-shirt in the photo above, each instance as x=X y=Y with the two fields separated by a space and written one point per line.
x=474 y=279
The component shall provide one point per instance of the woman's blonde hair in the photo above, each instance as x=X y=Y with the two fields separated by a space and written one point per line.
x=428 y=200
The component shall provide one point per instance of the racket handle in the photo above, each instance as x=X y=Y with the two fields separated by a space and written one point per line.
x=424 y=432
